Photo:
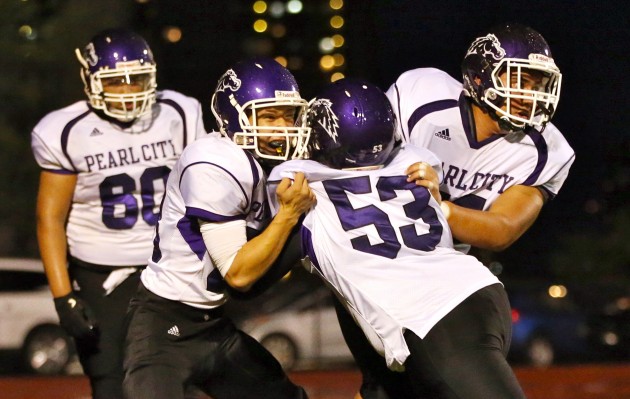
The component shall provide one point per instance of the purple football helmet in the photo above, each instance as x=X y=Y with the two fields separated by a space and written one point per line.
x=124 y=59
x=515 y=50
x=249 y=86
x=353 y=125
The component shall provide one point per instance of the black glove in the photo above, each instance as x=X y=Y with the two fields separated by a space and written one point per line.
x=75 y=316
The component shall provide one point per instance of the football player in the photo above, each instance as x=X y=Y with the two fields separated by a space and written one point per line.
x=104 y=165
x=178 y=334
x=502 y=158
x=382 y=244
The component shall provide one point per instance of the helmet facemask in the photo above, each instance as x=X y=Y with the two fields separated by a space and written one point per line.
x=541 y=100
x=124 y=107
x=291 y=141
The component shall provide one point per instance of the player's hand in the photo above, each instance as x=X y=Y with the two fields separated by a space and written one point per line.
x=424 y=175
x=75 y=316
x=295 y=196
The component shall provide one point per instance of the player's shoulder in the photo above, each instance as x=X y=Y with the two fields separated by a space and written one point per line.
x=56 y=120
x=425 y=85
x=414 y=153
x=557 y=144
x=216 y=149
x=429 y=78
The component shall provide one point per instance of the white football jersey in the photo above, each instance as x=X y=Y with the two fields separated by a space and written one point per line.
x=383 y=245
x=433 y=113
x=215 y=181
x=121 y=173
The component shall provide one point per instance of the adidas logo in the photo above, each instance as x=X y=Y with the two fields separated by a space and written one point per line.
x=173 y=331
x=96 y=132
x=443 y=134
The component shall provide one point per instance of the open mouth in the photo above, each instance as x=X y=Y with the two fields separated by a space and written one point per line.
x=279 y=146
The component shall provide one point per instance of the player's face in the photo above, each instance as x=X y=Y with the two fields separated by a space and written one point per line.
x=125 y=85
x=280 y=117
x=529 y=80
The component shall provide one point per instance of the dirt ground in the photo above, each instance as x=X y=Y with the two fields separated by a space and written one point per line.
x=569 y=382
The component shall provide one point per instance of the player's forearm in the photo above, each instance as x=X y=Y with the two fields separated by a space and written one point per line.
x=51 y=235
x=483 y=229
x=256 y=257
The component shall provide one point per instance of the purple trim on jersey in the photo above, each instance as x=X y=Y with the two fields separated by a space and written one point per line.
x=226 y=171
x=399 y=121
x=427 y=109
x=209 y=216
x=549 y=195
x=255 y=174
x=214 y=282
x=181 y=113
x=468 y=122
x=189 y=229
x=543 y=154
x=66 y=133
x=307 y=247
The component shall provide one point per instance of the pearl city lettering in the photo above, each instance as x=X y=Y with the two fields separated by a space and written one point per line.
x=130 y=155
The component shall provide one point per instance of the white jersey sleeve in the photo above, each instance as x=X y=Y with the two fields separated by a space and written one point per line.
x=121 y=173
x=384 y=246
x=214 y=181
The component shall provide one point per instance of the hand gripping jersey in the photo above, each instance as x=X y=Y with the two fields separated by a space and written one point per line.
x=385 y=248
x=433 y=113
x=121 y=173
x=216 y=181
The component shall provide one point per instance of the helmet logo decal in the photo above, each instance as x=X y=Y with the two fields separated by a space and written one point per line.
x=487 y=45
x=90 y=54
x=229 y=80
x=324 y=115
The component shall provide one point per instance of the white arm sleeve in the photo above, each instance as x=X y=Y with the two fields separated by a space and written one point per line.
x=223 y=241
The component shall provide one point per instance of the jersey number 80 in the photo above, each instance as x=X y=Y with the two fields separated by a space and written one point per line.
x=118 y=191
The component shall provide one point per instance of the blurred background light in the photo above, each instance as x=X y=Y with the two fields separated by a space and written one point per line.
x=336 y=22
x=260 y=25
x=172 y=34
x=295 y=6
x=336 y=4
x=276 y=9
x=326 y=45
x=260 y=7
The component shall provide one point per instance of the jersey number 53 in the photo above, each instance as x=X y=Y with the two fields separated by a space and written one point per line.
x=386 y=187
